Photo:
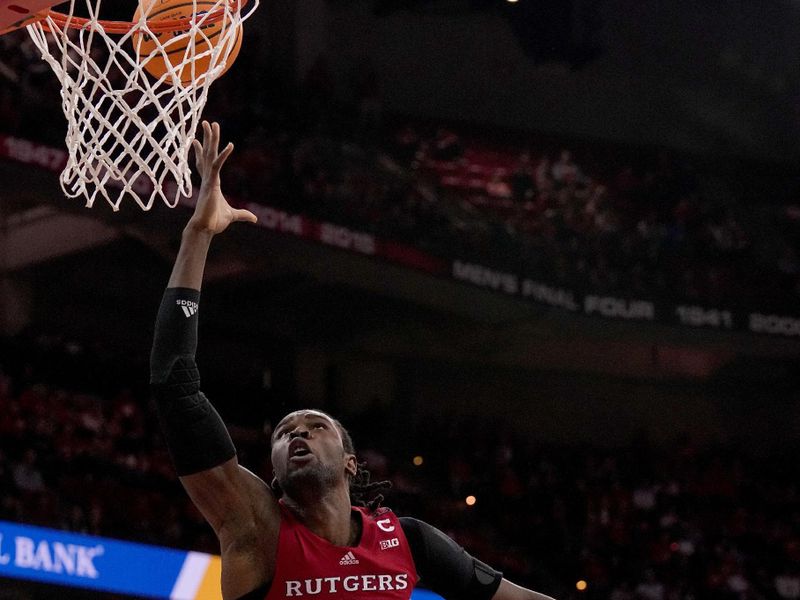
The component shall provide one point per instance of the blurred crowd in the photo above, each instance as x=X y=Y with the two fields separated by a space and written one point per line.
x=80 y=451
x=641 y=223
x=650 y=226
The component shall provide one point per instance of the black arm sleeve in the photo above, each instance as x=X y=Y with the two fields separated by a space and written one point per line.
x=195 y=434
x=445 y=567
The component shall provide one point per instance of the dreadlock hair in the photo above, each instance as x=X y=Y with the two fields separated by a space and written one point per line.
x=360 y=486
x=363 y=492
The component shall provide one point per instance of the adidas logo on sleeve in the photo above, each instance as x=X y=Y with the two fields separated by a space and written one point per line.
x=188 y=306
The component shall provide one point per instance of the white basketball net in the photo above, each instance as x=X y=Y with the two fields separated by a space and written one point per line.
x=129 y=133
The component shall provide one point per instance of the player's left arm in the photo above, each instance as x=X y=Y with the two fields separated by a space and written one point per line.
x=449 y=570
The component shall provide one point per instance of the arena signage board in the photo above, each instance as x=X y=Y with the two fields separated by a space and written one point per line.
x=103 y=564
x=625 y=308
x=90 y=562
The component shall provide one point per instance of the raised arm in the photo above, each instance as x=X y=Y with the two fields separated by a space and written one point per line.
x=237 y=504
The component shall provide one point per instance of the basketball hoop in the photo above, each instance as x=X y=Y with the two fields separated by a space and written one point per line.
x=133 y=92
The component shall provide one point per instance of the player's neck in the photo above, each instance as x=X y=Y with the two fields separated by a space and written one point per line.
x=328 y=516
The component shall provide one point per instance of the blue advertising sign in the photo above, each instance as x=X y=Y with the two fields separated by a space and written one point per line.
x=90 y=562
x=86 y=561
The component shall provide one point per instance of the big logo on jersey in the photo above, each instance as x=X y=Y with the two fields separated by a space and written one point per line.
x=351 y=583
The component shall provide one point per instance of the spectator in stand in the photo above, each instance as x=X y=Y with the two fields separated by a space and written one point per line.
x=319 y=91
x=522 y=179
x=27 y=476
x=622 y=592
x=6 y=473
x=368 y=100
x=543 y=175
x=406 y=145
x=787 y=583
x=651 y=588
x=498 y=187
x=447 y=146
x=565 y=171
x=10 y=112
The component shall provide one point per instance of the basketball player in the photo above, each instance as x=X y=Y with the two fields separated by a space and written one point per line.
x=301 y=536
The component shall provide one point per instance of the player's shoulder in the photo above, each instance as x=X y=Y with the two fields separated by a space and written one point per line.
x=382 y=511
x=377 y=513
x=383 y=518
x=384 y=515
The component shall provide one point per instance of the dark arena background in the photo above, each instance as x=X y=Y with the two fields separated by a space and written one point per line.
x=542 y=258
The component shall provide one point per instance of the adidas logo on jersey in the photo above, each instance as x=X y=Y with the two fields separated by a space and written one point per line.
x=189 y=308
x=349 y=559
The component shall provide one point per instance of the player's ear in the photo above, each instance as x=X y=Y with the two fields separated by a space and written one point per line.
x=351 y=464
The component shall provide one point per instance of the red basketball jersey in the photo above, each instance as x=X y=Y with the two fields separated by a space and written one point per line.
x=308 y=566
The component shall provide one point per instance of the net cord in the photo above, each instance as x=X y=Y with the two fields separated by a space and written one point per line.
x=128 y=133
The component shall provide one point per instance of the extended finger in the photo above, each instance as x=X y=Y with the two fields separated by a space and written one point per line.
x=215 y=131
x=223 y=156
x=198 y=153
x=206 y=135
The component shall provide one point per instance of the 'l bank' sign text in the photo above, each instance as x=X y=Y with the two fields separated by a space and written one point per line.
x=51 y=557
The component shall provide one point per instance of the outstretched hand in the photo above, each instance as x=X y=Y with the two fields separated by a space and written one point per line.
x=213 y=214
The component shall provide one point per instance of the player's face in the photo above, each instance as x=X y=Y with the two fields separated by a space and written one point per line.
x=307 y=449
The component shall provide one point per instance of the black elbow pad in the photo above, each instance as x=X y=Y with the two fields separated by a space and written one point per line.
x=196 y=435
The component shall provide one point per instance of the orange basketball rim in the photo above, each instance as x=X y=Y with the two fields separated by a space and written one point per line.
x=19 y=13
x=15 y=14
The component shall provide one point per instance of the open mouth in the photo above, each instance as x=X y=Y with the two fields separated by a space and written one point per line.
x=299 y=450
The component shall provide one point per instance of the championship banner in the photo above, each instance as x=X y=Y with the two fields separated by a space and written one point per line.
x=107 y=565
x=756 y=320
x=625 y=308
